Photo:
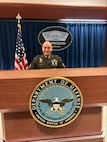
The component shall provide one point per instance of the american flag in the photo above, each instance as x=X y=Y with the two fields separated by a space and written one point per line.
x=20 y=62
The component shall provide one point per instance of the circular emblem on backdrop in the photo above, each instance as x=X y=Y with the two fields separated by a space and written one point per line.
x=56 y=102
x=60 y=37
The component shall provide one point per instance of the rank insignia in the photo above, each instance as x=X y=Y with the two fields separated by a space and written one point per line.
x=54 y=62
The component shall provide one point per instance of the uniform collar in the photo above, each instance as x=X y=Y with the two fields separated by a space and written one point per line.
x=47 y=57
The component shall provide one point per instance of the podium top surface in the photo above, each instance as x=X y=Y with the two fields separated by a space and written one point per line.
x=40 y=73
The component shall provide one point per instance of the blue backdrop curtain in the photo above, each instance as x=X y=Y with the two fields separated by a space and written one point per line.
x=88 y=48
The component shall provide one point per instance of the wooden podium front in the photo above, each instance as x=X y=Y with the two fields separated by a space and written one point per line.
x=19 y=126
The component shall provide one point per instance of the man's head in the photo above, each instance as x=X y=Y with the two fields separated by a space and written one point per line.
x=47 y=48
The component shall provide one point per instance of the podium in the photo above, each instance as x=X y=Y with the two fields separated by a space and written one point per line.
x=16 y=88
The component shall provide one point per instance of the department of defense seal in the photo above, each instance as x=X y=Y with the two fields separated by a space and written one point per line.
x=56 y=102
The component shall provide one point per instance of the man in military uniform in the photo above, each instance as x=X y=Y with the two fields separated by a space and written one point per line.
x=47 y=59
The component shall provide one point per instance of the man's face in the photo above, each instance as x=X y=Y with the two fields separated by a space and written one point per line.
x=47 y=48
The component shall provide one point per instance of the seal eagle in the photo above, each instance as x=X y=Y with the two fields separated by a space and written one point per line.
x=56 y=105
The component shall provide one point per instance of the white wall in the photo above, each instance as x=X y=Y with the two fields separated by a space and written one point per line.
x=63 y=2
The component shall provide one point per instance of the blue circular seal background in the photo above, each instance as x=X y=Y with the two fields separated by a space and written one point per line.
x=56 y=102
